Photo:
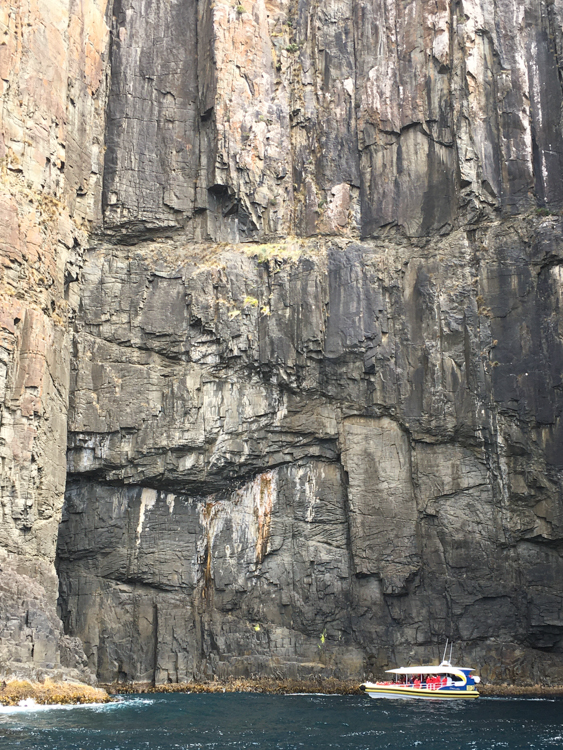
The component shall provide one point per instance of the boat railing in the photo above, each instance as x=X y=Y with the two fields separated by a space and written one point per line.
x=433 y=684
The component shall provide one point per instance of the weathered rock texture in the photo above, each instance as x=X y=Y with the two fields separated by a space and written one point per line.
x=52 y=79
x=274 y=118
x=317 y=461
x=315 y=383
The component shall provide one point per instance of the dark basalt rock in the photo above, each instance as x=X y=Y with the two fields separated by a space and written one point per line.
x=312 y=463
x=34 y=646
x=290 y=274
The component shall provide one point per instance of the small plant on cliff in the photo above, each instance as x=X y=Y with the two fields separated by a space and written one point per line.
x=250 y=301
x=241 y=9
x=544 y=211
x=292 y=48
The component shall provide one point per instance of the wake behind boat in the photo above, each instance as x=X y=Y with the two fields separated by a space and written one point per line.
x=443 y=682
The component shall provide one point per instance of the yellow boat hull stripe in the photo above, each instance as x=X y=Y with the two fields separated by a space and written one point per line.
x=426 y=693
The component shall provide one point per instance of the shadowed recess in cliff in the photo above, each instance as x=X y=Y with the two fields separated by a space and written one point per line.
x=225 y=577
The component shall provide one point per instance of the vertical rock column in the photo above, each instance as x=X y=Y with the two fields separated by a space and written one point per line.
x=52 y=81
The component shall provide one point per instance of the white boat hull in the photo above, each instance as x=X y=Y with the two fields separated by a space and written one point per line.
x=401 y=693
x=426 y=682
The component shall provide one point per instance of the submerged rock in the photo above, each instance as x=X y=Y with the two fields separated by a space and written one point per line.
x=14 y=692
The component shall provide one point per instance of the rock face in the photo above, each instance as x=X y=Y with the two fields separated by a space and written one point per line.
x=317 y=461
x=315 y=369
x=33 y=643
x=267 y=119
x=52 y=80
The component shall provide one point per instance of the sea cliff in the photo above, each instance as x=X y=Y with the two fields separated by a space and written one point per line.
x=282 y=323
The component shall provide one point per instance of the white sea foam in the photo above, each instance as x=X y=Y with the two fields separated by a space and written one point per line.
x=28 y=704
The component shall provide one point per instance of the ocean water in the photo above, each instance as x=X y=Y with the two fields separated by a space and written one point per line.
x=278 y=722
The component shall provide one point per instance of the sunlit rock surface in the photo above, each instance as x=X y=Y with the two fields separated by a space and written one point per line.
x=52 y=82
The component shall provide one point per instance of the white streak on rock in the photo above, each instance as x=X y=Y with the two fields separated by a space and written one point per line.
x=148 y=500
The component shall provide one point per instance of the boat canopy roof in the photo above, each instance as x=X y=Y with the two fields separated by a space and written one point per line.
x=442 y=669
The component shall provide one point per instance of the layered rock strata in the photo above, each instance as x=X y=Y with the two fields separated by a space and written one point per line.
x=52 y=80
x=321 y=455
x=315 y=373
x=318 y=458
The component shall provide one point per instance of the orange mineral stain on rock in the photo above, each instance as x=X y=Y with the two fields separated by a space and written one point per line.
x=263 y=514
x=248 y=514
x=210 y=513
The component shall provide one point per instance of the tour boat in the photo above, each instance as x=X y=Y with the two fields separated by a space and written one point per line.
x=443 y=682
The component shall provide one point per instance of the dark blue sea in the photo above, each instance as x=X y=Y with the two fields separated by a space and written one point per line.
x=293 y=722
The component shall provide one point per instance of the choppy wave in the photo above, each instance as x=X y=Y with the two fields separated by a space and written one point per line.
x=323 y=695
x=28 y=704
x=240 y=721
x=520 y=698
